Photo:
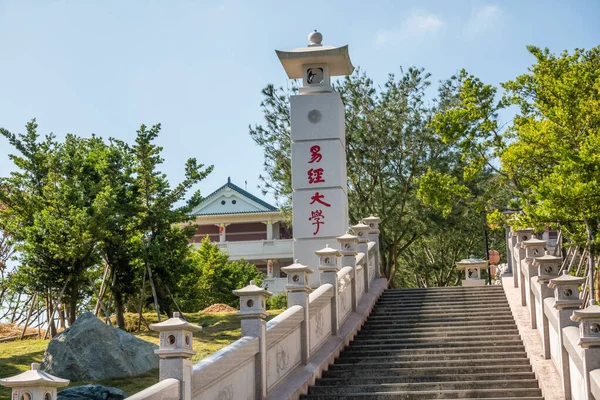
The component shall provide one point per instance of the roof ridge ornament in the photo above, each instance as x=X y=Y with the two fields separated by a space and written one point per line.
x=315 y=38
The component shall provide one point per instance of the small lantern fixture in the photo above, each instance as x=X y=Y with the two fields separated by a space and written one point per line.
x=472 y=267
x=253 y=300
x=547 y=265
x=297 y=275
x=362 y=231
x=566 y=290
x=34 y=384
x=589 y=325
x=534 y=247
x=523 y=234
x=175 y=337
x=348 y=244
x=328 y=259
x=316 y=64
x=372 y=222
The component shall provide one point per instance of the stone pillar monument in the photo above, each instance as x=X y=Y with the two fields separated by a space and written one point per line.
x=319 y=200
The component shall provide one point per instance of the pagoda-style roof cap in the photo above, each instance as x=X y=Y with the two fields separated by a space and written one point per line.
x=591 y=311
x=534 y=242
x=547 y=258
x=34 y=377
x=296 y=267
x=337 y=58
x=565 y=279
x=328 y=251
x=348 y=236
x=252 y=290
x=372 y=219
x=174 y=323
x=472 y=263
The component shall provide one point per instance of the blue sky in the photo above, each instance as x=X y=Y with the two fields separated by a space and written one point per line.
x=198 y=67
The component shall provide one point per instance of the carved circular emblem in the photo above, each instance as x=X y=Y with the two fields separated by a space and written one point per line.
x=548 y=270
x=595 y=328
x=296 y=278
x=524 y=238
x=327 y=260
x=314 y=76
x=473 y=273
x=187 y=340
x=171 y=339
x=347 y=246
x=568 y=292
x=250 y=303
x=314 y=116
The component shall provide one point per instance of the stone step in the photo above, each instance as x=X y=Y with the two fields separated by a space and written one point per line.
x=466 y=371
x=426 y=377
x=436 y=350
x=448 y=319
x=360 y=340
x=444 y=307
x=473 y=303
x=487 y=394
x=389 y=334
x=455 y=289
x=426 y=386
x=503 y=320
x=354 y=359
x=375 y=364
x=484 y=326
x=432 y=344
x=434 y=314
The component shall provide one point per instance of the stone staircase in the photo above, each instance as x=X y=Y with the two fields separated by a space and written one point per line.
x=438 y=343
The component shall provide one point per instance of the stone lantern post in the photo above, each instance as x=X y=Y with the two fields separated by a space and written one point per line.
x=34 y=384
x=566 y=299
x=318 y=135
x=547 y=268
x=472 y=267
x=174 y=350
x=253 y=310
x=362 y=231
x=521 y=235
x=328 y=265
x=534 y=247
x=298 y=291
x=373 y=223
x=589 y=338
x=348 y=244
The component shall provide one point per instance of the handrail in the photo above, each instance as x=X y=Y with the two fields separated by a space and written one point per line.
x=167 y=389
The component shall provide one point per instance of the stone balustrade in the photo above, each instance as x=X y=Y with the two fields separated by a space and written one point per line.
x=281 y=358
x=570 y=335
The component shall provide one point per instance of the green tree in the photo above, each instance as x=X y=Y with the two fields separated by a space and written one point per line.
x=165 y=226
x=212 y=278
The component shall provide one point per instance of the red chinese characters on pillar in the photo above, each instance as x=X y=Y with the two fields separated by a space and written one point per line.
x=315 y=154
x=316 y=216
x=315 y=175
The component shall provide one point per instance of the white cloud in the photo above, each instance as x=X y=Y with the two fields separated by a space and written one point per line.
x=482 y=19
x=415 y=26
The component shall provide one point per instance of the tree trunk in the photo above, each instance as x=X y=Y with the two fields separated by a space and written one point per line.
x=50 y=317
x=73 y=299
x=119 y=308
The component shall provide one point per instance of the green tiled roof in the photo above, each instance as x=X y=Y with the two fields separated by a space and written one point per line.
x=244 y=193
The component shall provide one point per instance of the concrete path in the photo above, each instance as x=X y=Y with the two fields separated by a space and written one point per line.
x=545 y=371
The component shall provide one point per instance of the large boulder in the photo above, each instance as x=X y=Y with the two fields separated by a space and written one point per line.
x=92 y=350
x=91 y=392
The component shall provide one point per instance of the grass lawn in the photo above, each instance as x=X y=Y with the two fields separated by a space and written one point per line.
x=218 y=330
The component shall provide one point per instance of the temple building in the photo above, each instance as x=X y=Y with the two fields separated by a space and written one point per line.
x=247 y=227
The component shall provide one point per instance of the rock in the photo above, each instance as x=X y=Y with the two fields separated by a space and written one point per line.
x=92 y=350
x=91 y=392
